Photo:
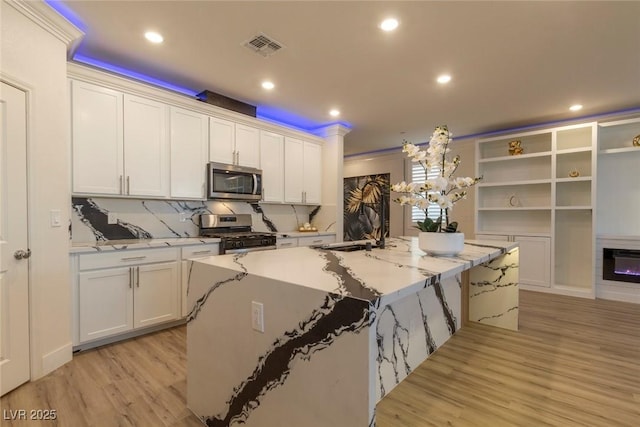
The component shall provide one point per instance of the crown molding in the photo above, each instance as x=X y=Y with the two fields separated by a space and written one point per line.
x=51 y=21
x=336 y=129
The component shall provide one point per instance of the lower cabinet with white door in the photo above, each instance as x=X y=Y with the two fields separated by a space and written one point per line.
x=289 y=241
x=535 y=257
x=124 y=291
x=192 y=252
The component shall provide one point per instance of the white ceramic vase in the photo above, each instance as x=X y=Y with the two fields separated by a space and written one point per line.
x=441 y=244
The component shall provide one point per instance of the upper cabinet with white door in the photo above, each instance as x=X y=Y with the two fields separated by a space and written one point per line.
x=120 y=144
x=97 y=139
x=189 y=153
x=233 y=143
x=302 y=171
x=146 y=147
x=130 y=139
x=272 y=161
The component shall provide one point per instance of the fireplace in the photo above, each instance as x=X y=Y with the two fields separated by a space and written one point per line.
x=621 y=265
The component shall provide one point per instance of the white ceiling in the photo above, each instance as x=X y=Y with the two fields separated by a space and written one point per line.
x=513 y=63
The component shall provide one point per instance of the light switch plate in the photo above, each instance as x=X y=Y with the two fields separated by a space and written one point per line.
x=54 y=218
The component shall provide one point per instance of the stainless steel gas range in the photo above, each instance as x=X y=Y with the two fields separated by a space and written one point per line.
x=235 y=232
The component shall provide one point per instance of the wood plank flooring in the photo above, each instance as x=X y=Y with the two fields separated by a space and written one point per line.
x=574 y=362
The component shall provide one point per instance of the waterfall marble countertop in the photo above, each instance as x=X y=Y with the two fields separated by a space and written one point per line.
x=118 y=245
x=379 y=275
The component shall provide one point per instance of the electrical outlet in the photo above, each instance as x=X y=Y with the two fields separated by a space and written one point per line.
x=257 y=316
x=112 y=218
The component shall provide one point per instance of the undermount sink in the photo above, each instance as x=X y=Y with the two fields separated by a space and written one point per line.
x=348 y=246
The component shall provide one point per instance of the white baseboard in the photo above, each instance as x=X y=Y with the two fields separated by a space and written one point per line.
x=560 y=290
x=56 y=358
x=619 y=293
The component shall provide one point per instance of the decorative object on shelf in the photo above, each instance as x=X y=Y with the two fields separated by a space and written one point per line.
x=307 y=227
x=440 y=188
x=574 y=173
x=636 y=141
x=515 y=148
x=514 y=201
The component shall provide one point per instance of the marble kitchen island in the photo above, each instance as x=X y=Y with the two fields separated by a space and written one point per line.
x=341 y=329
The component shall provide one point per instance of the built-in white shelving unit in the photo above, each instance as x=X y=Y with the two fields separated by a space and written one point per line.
x=544 y=199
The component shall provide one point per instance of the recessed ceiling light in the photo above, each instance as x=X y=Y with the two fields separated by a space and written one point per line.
x=445 y=78
x=334 y=113
x=154 y=37
x=575 y=107
x=389 y=24
x=268 y=85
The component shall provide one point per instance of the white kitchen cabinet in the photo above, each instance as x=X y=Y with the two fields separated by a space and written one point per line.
x=146 y=147
x=302 y=172
x=312 y=173
x=286 y=242
x=189 y=153
x=193 y=252
x=105 y=303
x=97 y=139
x=535 y=257
x=535 y=260
x=222 y=141
x=272 y=161
x=293 y=170
x=122 y=291
x=119 y=143
x=316 y=240
x=233 y=143
x=247 y=146
x=156 y=296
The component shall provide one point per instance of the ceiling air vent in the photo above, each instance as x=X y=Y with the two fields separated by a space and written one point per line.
x=264 y=45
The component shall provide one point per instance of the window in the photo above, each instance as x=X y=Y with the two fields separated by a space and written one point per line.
x=418 y=175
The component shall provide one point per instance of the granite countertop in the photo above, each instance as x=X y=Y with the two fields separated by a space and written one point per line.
x=115 y=245
x=381 y=275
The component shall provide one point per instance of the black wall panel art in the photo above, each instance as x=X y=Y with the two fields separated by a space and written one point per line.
x=364 y=199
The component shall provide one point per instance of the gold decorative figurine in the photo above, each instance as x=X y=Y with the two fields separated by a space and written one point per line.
x=515 y=148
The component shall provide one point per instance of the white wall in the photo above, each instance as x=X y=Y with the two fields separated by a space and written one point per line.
x=36 y=60
x=396 y=163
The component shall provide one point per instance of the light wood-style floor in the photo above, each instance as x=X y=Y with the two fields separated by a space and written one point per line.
x=574 y=362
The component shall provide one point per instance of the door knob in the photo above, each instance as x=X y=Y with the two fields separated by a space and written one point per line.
x=20 y=254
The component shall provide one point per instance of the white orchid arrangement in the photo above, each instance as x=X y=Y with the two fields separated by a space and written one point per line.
x=443 y=190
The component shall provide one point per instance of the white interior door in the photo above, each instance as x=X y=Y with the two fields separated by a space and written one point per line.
x=14 y=253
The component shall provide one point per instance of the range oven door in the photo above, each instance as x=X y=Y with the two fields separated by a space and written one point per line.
x=233 y=182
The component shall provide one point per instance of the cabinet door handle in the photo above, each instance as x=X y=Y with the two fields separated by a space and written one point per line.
x=138 y=277
x=133 y=258
x=121 y=185
x=286 y=244
x=317 y=241
x=128 y=186
x=130 y=277
x=237 y=157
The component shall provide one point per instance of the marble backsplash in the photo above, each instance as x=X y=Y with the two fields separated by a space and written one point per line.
x=146 y=219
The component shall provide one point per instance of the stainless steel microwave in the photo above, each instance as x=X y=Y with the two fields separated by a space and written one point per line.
x=233 y=182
